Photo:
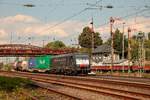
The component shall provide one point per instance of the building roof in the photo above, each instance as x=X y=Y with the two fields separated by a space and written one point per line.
x=105 y=48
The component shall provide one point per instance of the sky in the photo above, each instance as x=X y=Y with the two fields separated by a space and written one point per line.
x=64 y=20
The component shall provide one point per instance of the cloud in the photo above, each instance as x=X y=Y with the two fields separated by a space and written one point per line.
x=140 y=24
x=2 y=33
x=24 y=25
x=18 y=18
x=43 y=29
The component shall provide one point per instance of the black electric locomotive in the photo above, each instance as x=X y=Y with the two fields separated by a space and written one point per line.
x=71 y=64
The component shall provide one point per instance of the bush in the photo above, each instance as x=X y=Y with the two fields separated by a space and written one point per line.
x=9 y=84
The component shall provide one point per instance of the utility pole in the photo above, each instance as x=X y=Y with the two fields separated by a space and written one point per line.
x=112 y=43
x=11 y=38
x=129 y=50
x=141 y=53
x=75 y=43
x=43 y=43
x=123 y=47
x=92 y=34
x=29 y=39
x=92 y=43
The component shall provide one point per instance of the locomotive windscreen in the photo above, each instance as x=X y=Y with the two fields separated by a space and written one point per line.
x=82 y=59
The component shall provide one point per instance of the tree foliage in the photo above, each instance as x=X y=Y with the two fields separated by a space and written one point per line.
x=85 y=38
x=147 y=49
x=118 y=41
x=149 y=36
x=134 y=47
x=55 y=45
x=147 y=44
x=133 y=43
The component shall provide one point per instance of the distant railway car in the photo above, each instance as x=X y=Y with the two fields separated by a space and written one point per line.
x=145 y=68
x=17 y=66
x=71 y=64
x=106 y=65
x=38 y=64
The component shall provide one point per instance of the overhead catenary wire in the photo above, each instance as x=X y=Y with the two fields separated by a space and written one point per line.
x=39 y=5
x=126 y=16
x=76 y=14
x=72 y=16
x=66 y=19
x=126 y=25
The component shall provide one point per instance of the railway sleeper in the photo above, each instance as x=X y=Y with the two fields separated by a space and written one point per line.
x=98 y=90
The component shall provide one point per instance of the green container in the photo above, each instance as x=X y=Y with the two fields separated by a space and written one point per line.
x=43 y=62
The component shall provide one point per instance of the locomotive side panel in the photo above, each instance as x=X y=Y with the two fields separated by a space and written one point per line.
x=70 y=64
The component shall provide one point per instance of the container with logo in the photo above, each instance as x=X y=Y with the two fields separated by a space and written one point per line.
x=41 y=63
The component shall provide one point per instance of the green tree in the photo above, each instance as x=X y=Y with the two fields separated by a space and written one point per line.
x=147 y=49
x=149 y=36
x=55 y=45
x=134 y=47
x=118 y=42
x=85 y=38
x=147 y=44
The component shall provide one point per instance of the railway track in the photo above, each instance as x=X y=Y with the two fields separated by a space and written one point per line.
x=100 y=86
x=123 y=78
x=43 y=93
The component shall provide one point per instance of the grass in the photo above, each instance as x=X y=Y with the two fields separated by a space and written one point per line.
x=146 y=75
x=10 y=84
x=14 y=88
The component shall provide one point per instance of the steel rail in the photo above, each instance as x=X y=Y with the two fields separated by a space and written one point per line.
x=101 y=80
x=93 y=89
x=111 y=78
x=46 y=79
x=40 y=84
x=48 y=88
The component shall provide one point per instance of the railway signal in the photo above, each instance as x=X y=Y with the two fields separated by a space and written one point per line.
x=129 y=48
x=141 y=52
x=123 y=47
x=112 y=20
x=112 y=43
x=92 y=29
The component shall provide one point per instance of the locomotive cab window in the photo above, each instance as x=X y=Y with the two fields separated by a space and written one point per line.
x=81 y=60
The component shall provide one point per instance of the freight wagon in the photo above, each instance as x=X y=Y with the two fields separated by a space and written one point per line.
x=70 y=64
x=39 y=64
x=34 y=64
